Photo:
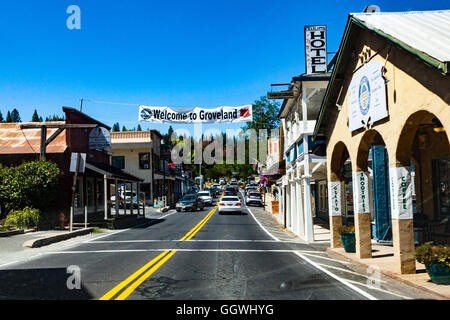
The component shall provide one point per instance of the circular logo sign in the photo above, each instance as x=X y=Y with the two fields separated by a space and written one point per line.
x=146 y=114
x=364 y=95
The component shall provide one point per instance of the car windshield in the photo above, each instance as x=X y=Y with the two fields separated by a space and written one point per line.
x=206 y=193
x=188 y=198
x=255 y=195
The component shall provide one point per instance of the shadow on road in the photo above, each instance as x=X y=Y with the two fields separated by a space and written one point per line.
x=40 y=284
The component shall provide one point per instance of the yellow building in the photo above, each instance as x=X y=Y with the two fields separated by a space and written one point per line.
x=391 y=87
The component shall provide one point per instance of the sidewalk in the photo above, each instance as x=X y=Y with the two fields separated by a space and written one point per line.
x=382 y=255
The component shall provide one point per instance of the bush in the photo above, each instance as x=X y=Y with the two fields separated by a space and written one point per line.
x=346 y=229
x=32 y=184
x=429 y=254
x=23 y=219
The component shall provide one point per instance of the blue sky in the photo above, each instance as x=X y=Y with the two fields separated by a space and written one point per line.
x=169 y=53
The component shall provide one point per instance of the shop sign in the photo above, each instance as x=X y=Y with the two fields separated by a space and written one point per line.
x=401 y=192
x=367 y=96
x=334 y=198
x=361 y=192
x=99 y=138
x=316 y=49
x=196 y=115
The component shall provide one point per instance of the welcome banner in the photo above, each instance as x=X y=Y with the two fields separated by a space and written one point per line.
x=196 y=115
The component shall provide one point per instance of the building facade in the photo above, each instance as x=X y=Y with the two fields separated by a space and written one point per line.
x=388 y=97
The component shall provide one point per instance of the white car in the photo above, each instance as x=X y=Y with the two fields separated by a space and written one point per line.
x=206 y=197
x=230 y=204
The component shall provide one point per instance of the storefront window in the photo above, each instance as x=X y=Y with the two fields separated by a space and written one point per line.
x=441 y=183
x=118 y=162
x=144 y=160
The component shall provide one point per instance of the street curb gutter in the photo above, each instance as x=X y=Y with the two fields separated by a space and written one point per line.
x=36 y=243
x=390 y=274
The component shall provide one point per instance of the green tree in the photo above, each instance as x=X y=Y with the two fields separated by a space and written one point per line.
x=1 y=117
x=124 y=129
x=139 y=128
x=54 y=118
x=8 y=117
x=116 y=127
x=35 y=117
x=265 y=115
x=15 y=116
x=31 y=184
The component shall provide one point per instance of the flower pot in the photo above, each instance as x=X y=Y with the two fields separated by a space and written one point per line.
x=349 y=241
x=439 y=273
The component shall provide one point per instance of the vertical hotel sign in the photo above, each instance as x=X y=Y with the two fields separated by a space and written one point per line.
x=316 y=49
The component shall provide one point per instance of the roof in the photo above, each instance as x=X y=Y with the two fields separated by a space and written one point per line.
x=111 y=172
x=423 y=34
x=14 y=140
x=84 y=117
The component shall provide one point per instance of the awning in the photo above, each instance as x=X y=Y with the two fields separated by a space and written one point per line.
x=278 y=168
x=112 y=172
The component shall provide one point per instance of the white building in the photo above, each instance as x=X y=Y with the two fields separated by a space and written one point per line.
x=301 y=193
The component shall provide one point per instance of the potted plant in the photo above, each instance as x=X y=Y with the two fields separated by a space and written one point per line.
x=436 y=259
x=347 y=234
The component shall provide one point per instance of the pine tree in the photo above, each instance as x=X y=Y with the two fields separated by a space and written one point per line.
x=139 y=127
x=15 y=116
x=8 y=117
x=35 y=117
x=1 y=117
x=116 y=127
x=124 y=129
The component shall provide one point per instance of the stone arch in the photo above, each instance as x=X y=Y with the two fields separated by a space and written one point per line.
x=370 y=138
x=409 y=131
x=339 y=155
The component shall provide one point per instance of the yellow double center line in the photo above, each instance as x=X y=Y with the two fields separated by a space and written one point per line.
x=147 y=270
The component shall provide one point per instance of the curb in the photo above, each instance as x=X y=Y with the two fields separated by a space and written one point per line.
x=36 y=243
x=391 y=275
x=11 y=233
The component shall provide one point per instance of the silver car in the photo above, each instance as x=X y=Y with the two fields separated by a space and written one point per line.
x=254 y=198
x=206 y=197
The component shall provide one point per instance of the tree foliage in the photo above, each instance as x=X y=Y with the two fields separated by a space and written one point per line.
x=31 y=184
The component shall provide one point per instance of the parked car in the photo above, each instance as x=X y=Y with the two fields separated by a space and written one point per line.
x=230 y=204
x=190 y=202
x=253 y=198
x=206 y=197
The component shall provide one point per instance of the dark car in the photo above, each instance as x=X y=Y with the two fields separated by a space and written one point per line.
x=190 y=202
x=230 y=191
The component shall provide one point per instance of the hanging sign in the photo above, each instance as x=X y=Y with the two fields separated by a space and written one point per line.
x=401 y=193
x=99 y=138
x=316 y=49
x=196 y=115
x=81 y=162
x=367 y=96
x=361 y=192
x=334 y=198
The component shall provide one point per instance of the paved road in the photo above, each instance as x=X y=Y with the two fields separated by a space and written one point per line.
x=191 y=255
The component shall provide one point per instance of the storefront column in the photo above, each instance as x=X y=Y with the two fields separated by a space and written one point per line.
x=402 y=219
x=335 y=212
x=105 y=198
x=301 y=213
x=293 y=207
x=288 y=205
x=361 y=207
x=116 y=190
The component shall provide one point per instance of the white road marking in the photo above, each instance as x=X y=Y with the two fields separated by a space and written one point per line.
x=381 y=290
x=170 y=249
x=343 y=281
x=195 y=240
x=116 y=232
x=347 y=271
x=329 y=259
x=7 y=264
